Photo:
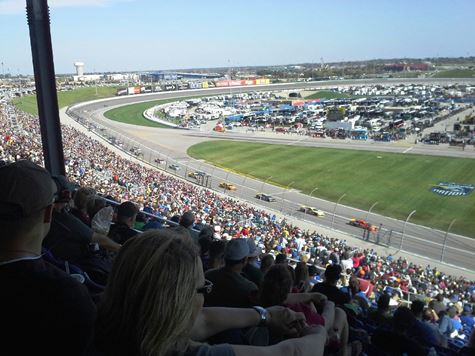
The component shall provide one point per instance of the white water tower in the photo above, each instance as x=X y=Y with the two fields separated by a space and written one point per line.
x=79 y=68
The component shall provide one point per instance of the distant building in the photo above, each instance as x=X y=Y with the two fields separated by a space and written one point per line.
x=400 y=67
x=118 y=77
x=87 y=78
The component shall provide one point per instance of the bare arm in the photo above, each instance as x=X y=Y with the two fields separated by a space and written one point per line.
x=328 y=314
x=211 y=321
x=312 y=344
x=295 y=298
x=106 y=242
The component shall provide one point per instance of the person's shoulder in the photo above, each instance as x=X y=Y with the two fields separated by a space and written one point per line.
x=318 y=287
x=62 y=282
x=213 y=273
x=49 y=287
x=244 y=283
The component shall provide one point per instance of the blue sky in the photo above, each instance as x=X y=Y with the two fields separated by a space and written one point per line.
x=127 y=35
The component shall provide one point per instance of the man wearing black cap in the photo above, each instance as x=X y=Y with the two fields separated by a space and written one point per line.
x=45 y=311
x=122 y=230
x=230 y=288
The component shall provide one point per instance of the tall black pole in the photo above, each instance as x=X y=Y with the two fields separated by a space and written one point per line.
x=45 y=79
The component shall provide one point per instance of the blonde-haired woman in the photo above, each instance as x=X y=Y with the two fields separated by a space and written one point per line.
x=153 y=306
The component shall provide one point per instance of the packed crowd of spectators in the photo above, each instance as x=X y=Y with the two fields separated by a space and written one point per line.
x=368 y=287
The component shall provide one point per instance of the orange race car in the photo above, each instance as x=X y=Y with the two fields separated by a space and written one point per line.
x=363 y=224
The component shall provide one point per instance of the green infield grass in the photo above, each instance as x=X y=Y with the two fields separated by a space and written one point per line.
x=399 y=183
x=66 y=98
x=133 y=114
x=455 y=73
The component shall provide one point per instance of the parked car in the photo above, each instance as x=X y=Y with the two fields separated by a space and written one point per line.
x=227 y=186
x=265 y=197
x=311 y=210
x=363 y=224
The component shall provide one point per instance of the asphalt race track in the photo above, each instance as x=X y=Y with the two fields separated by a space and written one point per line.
x=171 y=145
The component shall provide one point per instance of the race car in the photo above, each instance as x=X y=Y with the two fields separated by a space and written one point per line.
x=227 y=186
x=311 y=210
x=175 y=167
x=265 y=197
x=363 y=224
x=196 y=174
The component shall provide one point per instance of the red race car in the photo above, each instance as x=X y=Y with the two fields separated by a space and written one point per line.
x=363 y=224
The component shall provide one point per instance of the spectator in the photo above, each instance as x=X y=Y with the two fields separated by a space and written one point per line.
x=420 y=330
x=95 y=205
x=346 y=261
x=266 y=262
x=204 y=244
x=231 y=289
x=398 y=341
x=281 y=258
x=446 y=326
x=381 y=317
x=37 y=299
x=140 y=221
x=275 y=290
x=354 y=292
x=438 y=304
x=123 y=230
x=152 y=223
x=301 y=282
x=185 y=225
x=252 y=271
x=427 y=319
x=216 y=254
x=469 y=349
x=453 y=315
x=83 y=198
x=313 y=276
x=135 y=317
x=71 y=240
x=467 y=318
x=329 y=288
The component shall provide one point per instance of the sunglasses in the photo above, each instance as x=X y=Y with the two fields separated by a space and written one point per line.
x=206 y=289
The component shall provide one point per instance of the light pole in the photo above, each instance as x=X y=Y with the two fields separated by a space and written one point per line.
x=283 y=194
x=404 y=228
x=310 y=196
x=265 y=182
x=336 y=205
x=445 y=240
x=371 y=208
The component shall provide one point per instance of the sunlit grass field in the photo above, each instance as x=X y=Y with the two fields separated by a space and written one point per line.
x=66 y=98
x=400 y=183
